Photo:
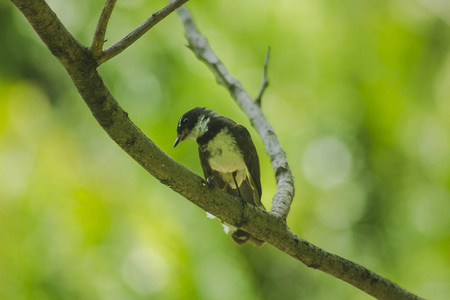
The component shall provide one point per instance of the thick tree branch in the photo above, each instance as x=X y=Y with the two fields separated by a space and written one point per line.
x=264 y=80
x=285 y=184
x=82 y=69
x=140 y=31
x=100 y=31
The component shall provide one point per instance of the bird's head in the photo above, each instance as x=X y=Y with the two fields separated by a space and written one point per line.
x=193 y=124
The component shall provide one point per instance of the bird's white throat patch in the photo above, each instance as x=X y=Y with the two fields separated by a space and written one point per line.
x=199 y=129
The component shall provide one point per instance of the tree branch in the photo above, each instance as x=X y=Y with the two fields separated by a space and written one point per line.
x=139 y=31
x=264 y=80
x=100 y=31
x=82 y=69
x=285 y=184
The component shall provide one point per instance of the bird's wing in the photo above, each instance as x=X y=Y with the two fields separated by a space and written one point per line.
x=251 y=159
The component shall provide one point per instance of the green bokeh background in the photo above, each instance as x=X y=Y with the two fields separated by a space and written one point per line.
x=359 y=97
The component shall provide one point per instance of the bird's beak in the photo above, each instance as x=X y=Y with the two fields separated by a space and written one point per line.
x=180 y=138
x=177 y=141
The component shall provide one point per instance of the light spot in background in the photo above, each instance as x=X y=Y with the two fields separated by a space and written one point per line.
x=326 y=162
x=16 y=168
x=222 y=277
x=142 y=94
x=333 y=213
x=433 y=144
x=435 y=288
x=428 y=210
x=146 y=270
x=442 y=88
x=342 y=207
x=28 y=111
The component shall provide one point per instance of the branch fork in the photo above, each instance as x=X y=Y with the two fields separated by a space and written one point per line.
x=96 y=47
x=268 y=226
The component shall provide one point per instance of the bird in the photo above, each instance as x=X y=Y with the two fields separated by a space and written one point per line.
x=228 y=158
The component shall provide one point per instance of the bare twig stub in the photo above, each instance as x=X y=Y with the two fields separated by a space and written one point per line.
x=285 y=183
x=264 y=80
x=140 y=31
x=100 y=31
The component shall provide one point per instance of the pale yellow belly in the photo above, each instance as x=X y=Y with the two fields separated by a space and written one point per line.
x=226 y=158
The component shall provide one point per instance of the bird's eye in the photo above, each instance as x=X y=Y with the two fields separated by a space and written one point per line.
x=185 y=120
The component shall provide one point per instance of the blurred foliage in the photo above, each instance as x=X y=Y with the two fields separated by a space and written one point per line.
x=359 y=96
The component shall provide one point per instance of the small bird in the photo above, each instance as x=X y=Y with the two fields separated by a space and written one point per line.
x=228 y=157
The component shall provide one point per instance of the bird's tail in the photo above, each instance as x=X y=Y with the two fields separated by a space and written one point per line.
x=241 y=237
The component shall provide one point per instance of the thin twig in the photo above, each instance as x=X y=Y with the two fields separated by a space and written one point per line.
x=100 y=31
x=264 y=80
x=285 y=184
x=140 y=31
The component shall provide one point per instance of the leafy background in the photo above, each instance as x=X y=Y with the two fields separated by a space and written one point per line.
x=360 y=99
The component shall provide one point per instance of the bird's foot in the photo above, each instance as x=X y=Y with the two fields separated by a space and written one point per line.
x=242 y=200
x=210 y=182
